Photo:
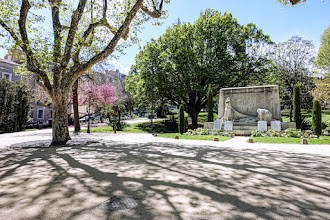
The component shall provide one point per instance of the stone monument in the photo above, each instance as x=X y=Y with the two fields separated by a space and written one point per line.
x=245 y=106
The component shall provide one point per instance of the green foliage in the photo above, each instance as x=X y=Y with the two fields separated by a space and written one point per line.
x=159 y=127
x=323 y=56
x=180 y=65
x=214 y=132
x=181 y=120
x=210 y=105
x=316 y=118
x=194 y=137
x=203 y=116
x=290 y=132
x=296 y=106
x=15 y=102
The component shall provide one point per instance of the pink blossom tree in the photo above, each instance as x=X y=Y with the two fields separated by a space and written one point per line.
x=100 y=96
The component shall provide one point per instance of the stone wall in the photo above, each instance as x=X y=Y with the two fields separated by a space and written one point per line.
x=247 y=100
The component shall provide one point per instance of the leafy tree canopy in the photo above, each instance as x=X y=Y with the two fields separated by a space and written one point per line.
x=215 y=51
x=323 y=56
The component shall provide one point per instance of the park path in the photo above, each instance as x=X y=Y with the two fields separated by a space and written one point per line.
x=160 y=178
x=235 y=143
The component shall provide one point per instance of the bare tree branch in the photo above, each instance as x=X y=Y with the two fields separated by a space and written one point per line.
x=56 y=29
x=10 y=31
x=75 y=18
x=78 y=71
x=32 y=64
x=156 y=13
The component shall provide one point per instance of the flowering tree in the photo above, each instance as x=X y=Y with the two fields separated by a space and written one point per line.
x=100 y=96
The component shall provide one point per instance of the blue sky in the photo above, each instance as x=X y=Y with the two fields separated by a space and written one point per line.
x=280 y=23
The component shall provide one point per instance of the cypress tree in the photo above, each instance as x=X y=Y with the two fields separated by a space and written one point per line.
x=316 y=118
x=181 y=120
x=210 y=105
x=296 y=106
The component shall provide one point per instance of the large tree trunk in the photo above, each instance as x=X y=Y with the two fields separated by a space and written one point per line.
x=60 y=122
x=194 y=117
x=75 y=106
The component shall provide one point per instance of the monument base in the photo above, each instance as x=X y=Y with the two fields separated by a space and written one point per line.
x=238 y=129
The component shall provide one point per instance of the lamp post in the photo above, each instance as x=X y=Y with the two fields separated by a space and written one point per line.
x=89 y=111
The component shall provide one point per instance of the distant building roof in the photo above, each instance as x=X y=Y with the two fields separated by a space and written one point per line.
x=8 y=61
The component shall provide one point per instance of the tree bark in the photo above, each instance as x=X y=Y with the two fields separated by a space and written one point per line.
x=75 y=106
x=60 y=122
x=194 y=120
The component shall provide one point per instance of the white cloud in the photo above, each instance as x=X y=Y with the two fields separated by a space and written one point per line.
x=120 y=67
x=116 y=64
x=127 y=69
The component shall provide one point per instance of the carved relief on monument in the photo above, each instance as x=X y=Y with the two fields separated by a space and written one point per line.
x=230 y=114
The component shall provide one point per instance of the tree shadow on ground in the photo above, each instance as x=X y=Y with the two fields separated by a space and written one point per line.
x=170 y=181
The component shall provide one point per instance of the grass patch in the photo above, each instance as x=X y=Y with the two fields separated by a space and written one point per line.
x=291 y=140
x=30 y=129
x=159 y=126
x=202 y=116
x=194 y=137
x=308 y=114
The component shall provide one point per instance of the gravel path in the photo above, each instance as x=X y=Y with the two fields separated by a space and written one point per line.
x=138 y=176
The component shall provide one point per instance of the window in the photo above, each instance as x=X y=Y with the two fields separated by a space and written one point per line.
x=40 y=113
x=7 y=76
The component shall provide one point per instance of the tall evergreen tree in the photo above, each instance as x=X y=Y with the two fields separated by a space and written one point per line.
x=317 y=118
x=296 y=106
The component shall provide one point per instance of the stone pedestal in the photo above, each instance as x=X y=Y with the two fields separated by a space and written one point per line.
x=208 y=125
x=262 y=125
x=218 y=124
x=276 y=125
x=228 y=126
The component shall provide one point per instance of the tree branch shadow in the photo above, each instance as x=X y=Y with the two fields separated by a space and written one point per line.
x=171 y=180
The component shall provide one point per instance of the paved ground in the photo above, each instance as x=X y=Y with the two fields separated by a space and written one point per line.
x=165 y=178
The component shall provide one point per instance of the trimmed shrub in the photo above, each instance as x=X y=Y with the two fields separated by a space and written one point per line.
x=297 y=106
x=317 y=118
x=14 y=105
x=181 y=120
x=210 y=105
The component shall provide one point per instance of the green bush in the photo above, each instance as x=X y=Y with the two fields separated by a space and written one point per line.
x=15 y=102
x=257 y=133
x=290 y=132
x=316 y=118
x=215 y=132
x=296 y=106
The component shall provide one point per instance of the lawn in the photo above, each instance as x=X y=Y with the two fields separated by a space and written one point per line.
x=307 y=114
x=194 y=137
x=291 y=140
x=159 y=126
x=202 y=116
